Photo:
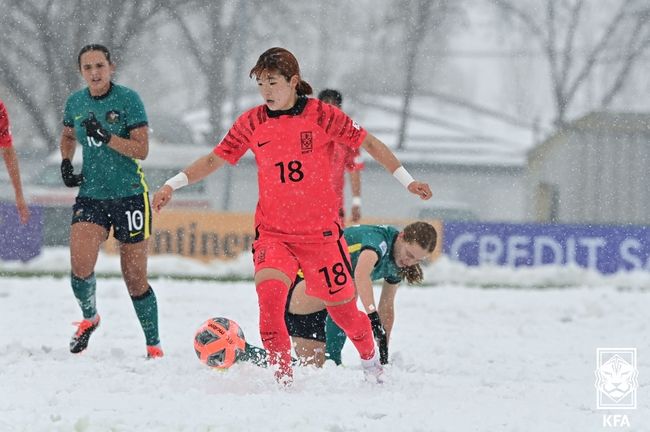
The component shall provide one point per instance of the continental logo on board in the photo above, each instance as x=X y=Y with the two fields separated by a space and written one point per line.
x=201 y=235
x=198 y=243
x=212 y=235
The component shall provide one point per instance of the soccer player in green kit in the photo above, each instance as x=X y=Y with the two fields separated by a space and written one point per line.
x=110 y=123
x=377 y=252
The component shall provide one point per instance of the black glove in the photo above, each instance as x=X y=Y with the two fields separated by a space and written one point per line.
x=380 y=336
x=256 y=355
x=95 y=130
x=67 y=173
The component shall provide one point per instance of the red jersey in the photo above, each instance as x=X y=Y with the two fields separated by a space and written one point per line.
x=293 y=150
x=5 y=133
x=344 y=159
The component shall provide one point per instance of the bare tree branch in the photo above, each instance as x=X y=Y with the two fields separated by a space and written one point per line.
x=550 y=47
x=527 y=19
x=210 y=53
x=44 y=38
x=569 y=41
x=568 y=73
x=193 y=45
x=26 y=98
x=425 y=15
x=19 y=49
x=629 y=61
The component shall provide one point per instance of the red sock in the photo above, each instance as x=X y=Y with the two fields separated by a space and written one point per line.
x=356 y=326
x=272 y=296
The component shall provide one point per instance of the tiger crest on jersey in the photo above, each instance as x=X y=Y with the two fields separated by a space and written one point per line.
x=306 y=142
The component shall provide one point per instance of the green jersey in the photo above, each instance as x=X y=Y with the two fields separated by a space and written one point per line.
x=107 y=173
x=380 y=239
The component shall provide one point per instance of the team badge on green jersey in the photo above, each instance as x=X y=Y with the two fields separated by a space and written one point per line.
x=113 y=116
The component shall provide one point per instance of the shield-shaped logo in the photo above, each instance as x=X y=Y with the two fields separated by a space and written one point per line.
x=306 y=142
x=113 y=116
x=616 y=378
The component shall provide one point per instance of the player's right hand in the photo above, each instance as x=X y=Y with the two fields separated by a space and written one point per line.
x=380 y=336
x=162 y=197
x=70 y=179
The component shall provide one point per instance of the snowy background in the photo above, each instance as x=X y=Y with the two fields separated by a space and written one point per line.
x=476 y=349
x=481 y=349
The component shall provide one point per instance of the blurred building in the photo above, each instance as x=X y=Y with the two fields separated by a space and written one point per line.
x=593 y=171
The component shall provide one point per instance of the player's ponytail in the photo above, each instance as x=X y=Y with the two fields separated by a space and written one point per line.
x=413 y=274
x=304 y=88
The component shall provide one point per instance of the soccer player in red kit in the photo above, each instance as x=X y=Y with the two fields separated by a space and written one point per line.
x=296 y=220
x=11 y=161
x=344 y=158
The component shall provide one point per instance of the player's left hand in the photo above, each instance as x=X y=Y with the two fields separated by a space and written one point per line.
x=421 y=189
x=95 y=130
x=23 y=211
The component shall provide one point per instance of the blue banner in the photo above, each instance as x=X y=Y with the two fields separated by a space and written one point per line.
x=18 y=241
x=605 y=248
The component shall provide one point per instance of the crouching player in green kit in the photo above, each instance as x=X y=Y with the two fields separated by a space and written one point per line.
x=110 y=123
x=377 y=252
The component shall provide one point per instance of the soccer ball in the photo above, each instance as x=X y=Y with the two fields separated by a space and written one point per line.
x=218 y=342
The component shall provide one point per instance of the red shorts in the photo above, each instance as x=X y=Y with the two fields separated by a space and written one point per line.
x=326 y=267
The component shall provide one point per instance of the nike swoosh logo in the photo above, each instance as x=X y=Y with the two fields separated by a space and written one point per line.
x=78 y=117
x=262 y=144
x=135 y=233
x=332 y=292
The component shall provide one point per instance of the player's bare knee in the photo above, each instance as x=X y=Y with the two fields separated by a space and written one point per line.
x=342 y=302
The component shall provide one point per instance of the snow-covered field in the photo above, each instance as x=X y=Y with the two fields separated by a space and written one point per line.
x=463 y=358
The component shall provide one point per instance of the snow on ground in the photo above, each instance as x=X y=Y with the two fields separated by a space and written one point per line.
x=463 y=359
